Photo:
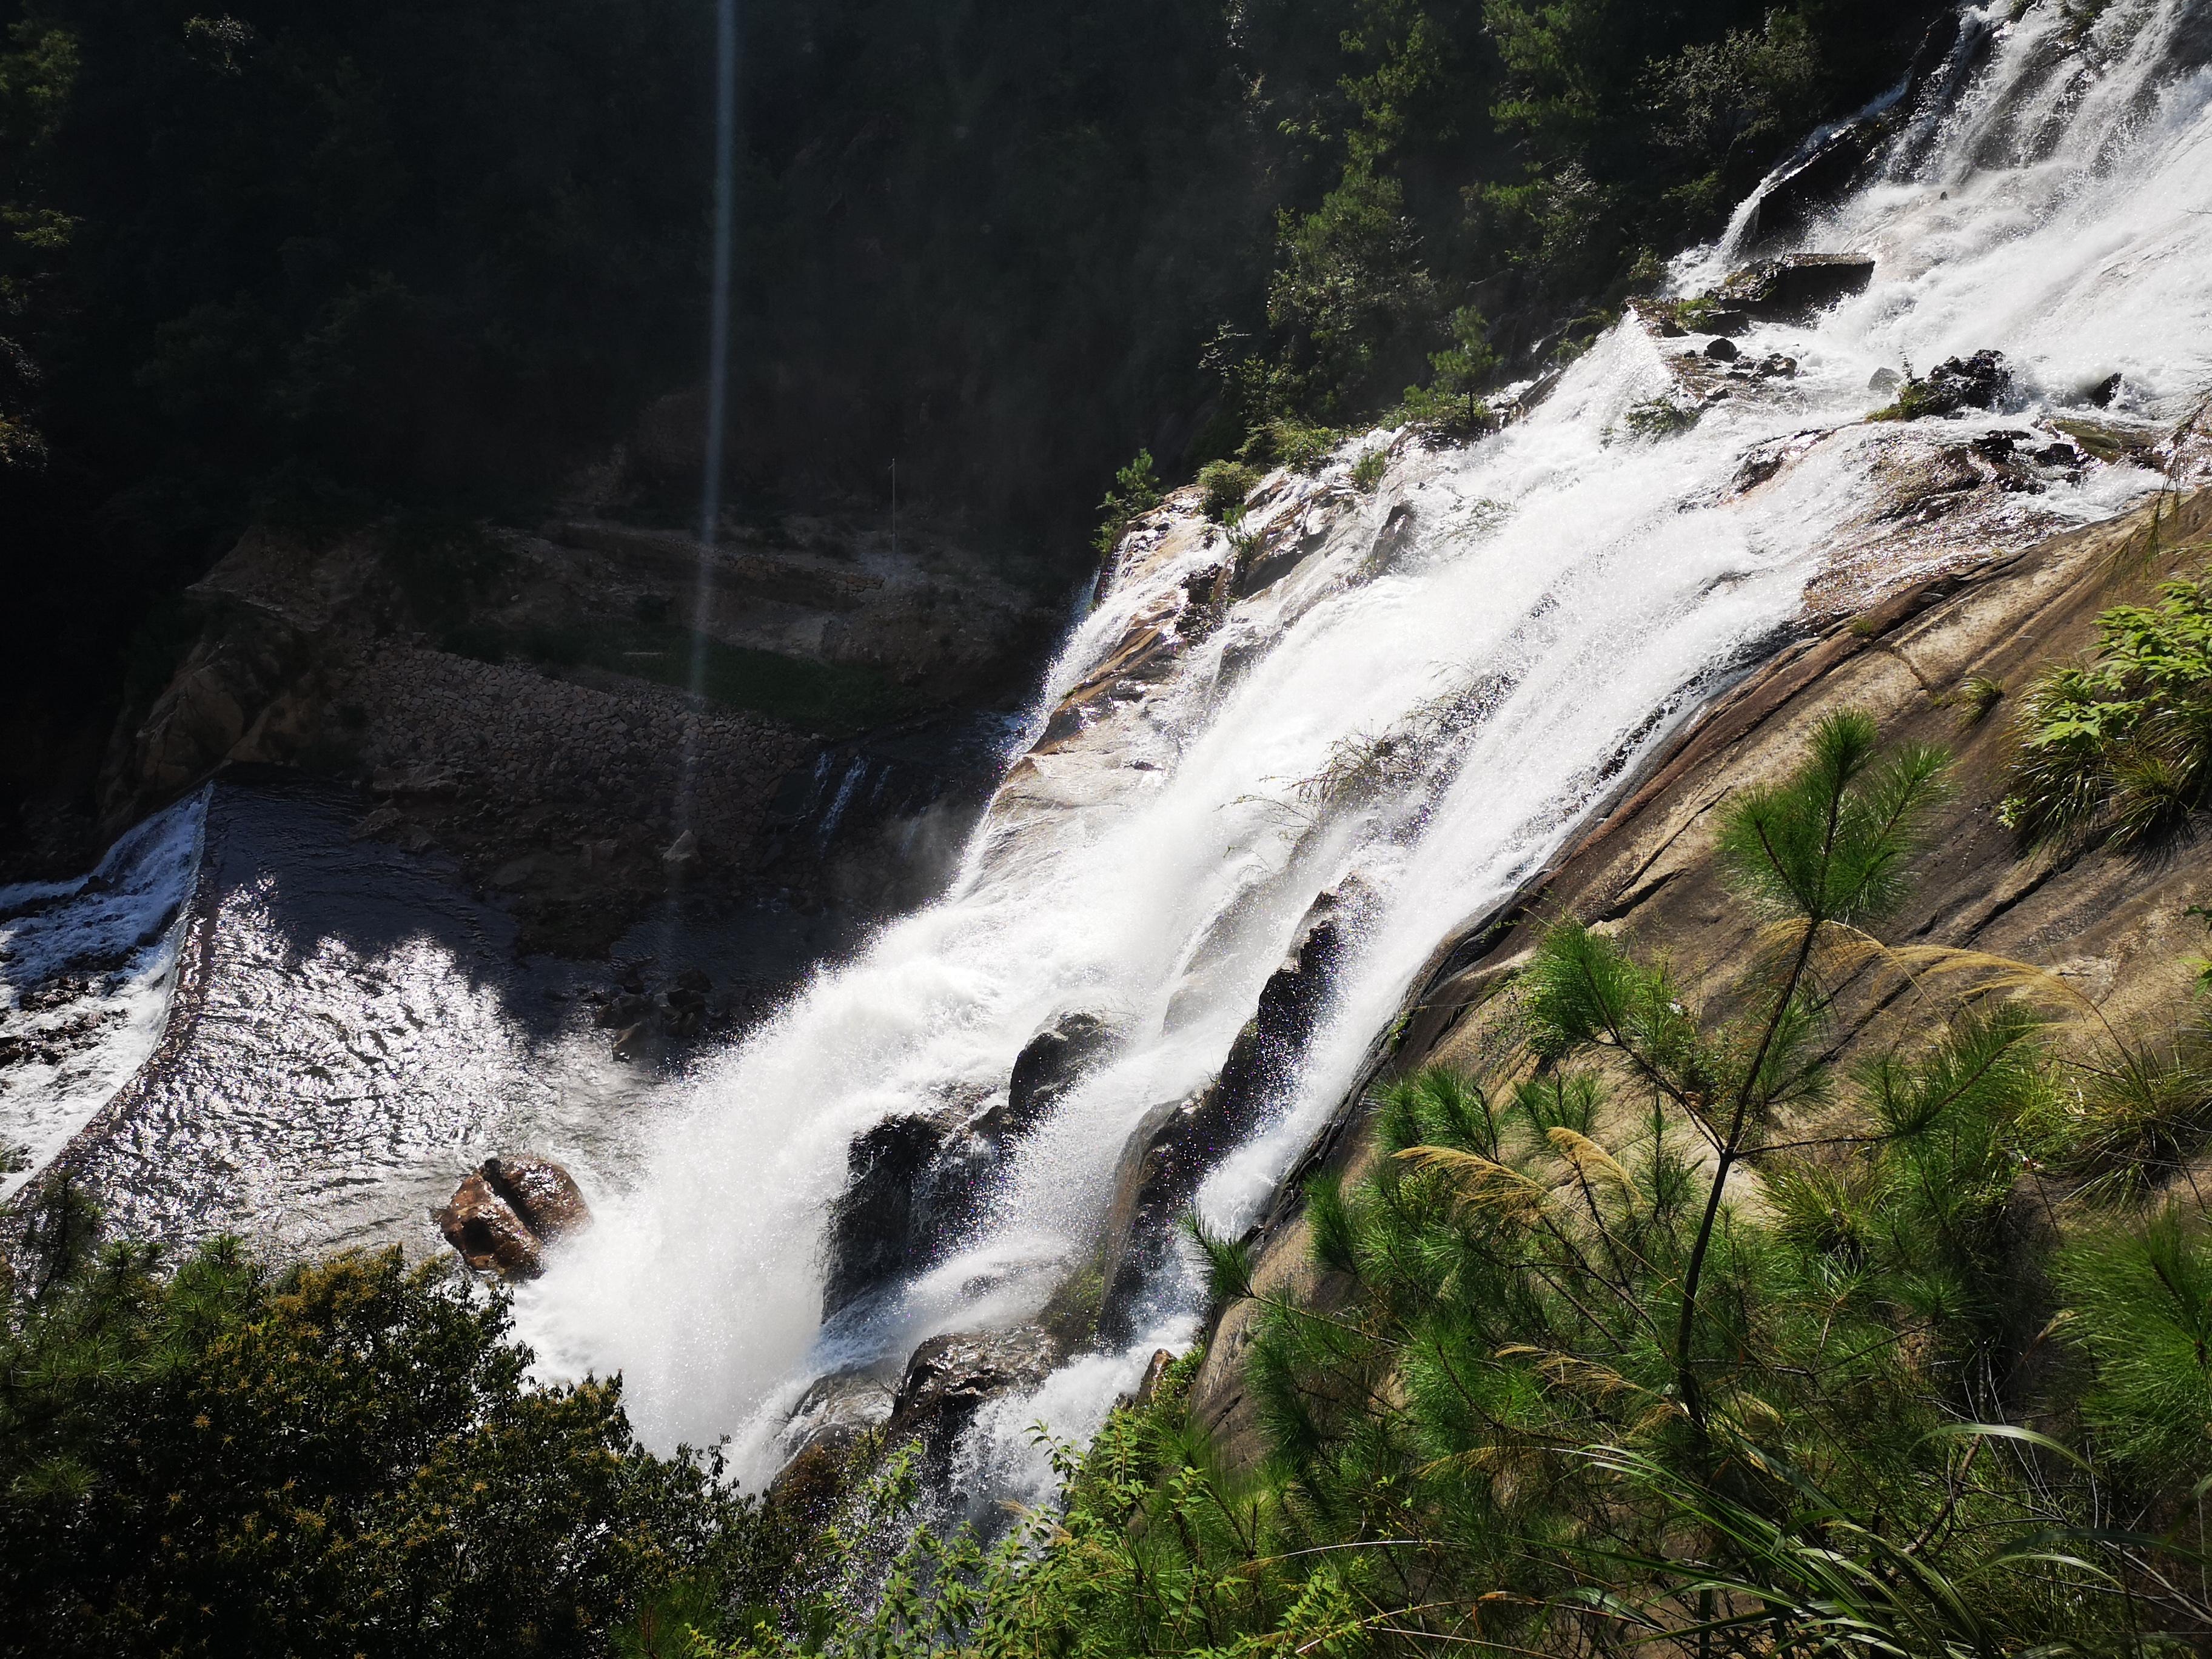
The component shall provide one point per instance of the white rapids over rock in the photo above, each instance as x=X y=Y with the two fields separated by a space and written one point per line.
x=1540 y=610
x=87 y=967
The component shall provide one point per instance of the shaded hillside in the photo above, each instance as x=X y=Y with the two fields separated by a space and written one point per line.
x=309 y=265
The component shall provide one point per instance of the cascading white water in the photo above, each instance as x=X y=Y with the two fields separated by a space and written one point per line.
x=103 y=949
x=1566 y=591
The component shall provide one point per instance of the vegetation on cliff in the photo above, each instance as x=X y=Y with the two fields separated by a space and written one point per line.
x=2120 y=747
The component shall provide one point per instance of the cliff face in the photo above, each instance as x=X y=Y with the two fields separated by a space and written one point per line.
x=523 y=700
x=2111 y=928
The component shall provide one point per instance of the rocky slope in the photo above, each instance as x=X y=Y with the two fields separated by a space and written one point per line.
x=2114 y=928
x=524 y=701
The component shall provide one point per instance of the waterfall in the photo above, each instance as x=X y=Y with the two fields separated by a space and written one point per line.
x=1425 y=690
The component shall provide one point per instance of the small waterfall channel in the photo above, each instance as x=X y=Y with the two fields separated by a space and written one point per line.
x=1375 y=714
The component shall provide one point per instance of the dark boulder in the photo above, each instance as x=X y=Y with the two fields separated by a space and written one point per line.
x=1723 y=351
x=832 y=1417
x=1798 y=288
x=877 y=1229
x=949 y=1379
x=1177 y=1145
x=1051 y=1063
x=1828 y=167
x=485 y=1231
x=1981 y=381
x=543 y=1194
x=504 y=1215
x=1809 y=185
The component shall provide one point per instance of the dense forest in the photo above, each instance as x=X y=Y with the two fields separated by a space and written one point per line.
x=314 y=264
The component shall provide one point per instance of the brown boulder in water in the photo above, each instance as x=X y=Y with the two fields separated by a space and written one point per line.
x=486 y=1233
x=504 y=1215
x=542 y=1193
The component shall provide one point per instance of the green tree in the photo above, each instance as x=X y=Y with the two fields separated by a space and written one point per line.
x=345 y=1457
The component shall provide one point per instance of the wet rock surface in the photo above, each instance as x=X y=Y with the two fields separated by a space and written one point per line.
x=949 y=1378
x=1796 y=288
x=1178 y=1144
x=879 y=1225
x=1981 y=381
x=542 y=1193
x=504 y=1215
x=1053 y=1061
x=1826 y=168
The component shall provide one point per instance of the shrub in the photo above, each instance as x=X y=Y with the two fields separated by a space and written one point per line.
x=1367 y=471
x=1223 y=486
x=1661 y=417
x=1298 y=445
x=2142 y=1302
x=2120 y=749
x=1136 y=492
x=1452 y=400
x=1977 y=695
x=341 y=1458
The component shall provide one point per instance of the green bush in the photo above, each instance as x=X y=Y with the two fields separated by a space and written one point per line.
x=1223 y=487
x=1367 y=471
x=1136 y=492
x=1298 y=445
x=2120 y=749
x=1452 y=400
x=342 y=1458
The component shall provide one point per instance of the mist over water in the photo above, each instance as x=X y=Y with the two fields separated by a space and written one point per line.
x=1542 y=609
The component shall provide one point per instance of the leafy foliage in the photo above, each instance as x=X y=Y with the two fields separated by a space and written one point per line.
x=1136 y=491
x=1223 y=486
x=343 y=1457
x=2120 y=747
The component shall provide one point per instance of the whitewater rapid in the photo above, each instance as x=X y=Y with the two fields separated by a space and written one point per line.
x=1568 y=591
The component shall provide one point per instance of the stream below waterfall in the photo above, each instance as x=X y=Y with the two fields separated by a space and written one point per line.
x=1417 y=694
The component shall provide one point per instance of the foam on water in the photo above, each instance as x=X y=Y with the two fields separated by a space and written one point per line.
x=1574 y=592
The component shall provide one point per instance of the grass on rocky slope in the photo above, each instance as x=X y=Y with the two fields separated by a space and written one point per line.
x=2119 y=747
